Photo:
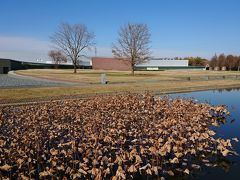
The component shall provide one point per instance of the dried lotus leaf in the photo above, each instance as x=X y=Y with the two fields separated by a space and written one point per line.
x=186 y=171
x=134 y=141
x=2 y=143
x=95 y=162
x=132 y=169
x=60 y=168
x=76 y=175
x=138 y=159
x=82 y=171
x=148 y=171
x=20 y=161
x=107 y=172
x=5 y=167
x=24 y=177
x=114 y=178
x=94 y=171
x=85 y=160
x=174 y=160
x=215 y=124
x=53 y=151
x=170 y=173
x=145 y=167
x=155 y=170
x=153 y=150
x=54 y=163
x=195 y=166
x=120 y=173
x=225 y=152
x=44 y=173
x=178 y=154
x=212 y=133
x=235 y=139
x=160 y=140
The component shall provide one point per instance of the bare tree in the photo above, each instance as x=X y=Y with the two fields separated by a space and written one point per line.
x=238 y=64
x=230 y=62
x=74 y=41
x=133 y=44
x=214 y=61
x=57 y=57
x=222 y=61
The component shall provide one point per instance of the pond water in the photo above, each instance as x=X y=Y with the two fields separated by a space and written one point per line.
x=230 y=98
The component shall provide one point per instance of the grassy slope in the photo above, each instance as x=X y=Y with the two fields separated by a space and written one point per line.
x=93 y=76
x=143 y=81
x=46 y=93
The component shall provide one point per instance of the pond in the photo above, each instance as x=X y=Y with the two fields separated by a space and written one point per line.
x=127 y=136
x=230 y=98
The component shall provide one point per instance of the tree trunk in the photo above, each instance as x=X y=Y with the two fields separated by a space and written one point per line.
x=74 y=60
x=75 y=69
x=132 y=70
x=56 y=66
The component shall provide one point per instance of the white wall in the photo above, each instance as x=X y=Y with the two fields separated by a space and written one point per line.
x=162 y=63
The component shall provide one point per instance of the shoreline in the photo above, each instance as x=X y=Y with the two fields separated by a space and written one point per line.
x=39 y=100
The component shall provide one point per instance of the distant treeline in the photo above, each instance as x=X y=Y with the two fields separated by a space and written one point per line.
x=194 y=61
x=230 y=62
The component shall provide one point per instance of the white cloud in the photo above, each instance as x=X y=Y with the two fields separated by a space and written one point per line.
x=158 y=53
x=102 y=52
x=31 y=49
x=178 y=53
x=23 y=48
x=23 y=44
x=30 y=56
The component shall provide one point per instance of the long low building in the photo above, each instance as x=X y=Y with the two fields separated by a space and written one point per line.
x=101 y=63
x=7 y=65
x=158 y=64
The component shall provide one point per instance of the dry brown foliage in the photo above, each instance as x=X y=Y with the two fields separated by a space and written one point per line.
x=110 y=137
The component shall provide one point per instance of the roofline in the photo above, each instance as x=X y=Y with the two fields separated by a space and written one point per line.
x=154 y=58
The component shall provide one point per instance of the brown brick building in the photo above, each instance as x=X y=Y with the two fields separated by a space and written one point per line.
x=101 y=63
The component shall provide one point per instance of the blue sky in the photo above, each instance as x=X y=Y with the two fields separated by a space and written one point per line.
x=177 y=27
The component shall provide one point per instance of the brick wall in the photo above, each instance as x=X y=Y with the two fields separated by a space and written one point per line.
x=110 y=64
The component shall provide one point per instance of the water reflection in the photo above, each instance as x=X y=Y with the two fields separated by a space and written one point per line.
x=227 y=89
x=230 y=166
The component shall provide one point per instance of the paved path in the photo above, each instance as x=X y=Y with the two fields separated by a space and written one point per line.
x=13 y=80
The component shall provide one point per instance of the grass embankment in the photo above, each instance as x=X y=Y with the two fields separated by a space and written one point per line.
x=48 y=93
x=93 y=76
x=120 y=82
